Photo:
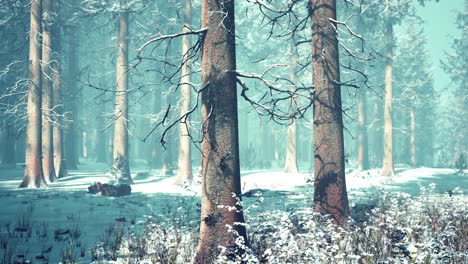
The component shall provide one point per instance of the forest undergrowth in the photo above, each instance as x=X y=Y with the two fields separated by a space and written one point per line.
x=390 y=228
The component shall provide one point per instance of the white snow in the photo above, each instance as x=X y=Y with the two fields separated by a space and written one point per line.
x=67 y=205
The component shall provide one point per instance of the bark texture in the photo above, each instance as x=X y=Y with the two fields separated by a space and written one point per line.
x=47 y=104
x=221 y=187
x=33 y=176
x=120 y=167
x=330 y=196
x=363 y=152
x=184 y=173
x=387 y=163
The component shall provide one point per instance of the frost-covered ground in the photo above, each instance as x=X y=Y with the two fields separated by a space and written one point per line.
x=64 y=222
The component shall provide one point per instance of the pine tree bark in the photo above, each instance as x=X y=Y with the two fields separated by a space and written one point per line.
x=363 y=153
x=120 y=167
x=33 y=175
x=387 y=163
x=59 y=159
x=221 y=186
x=330 y=195
x=290 y=165
x=47 y=104
x=184 y=173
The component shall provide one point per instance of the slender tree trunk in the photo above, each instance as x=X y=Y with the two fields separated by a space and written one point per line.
x=167 y=166
x=59 y=162
x=375 y=135
x=413 y=138
x=363 y=154
x=121 y=168
x=221 y=188
x=274 y=144
x=387 y=163
x=291 y=157
x=261 y=148
x=101 y=150
x=290 y=165
x=33 y=175
x=47 y=81
x=156 y=160
x=424 y=142
x=184 y=174
x=85 y=138
x=330 y=195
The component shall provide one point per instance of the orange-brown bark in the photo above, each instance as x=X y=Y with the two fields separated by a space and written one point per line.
x=33 y=176
x=220 y=150
x=330 y=195
x=47 y=104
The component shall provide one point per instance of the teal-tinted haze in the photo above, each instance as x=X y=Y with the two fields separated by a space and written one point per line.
x=439 y=23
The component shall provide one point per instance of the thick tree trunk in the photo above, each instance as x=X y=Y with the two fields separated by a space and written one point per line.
x=59 y=162
x=363 y=154
x=290 y=165
x=330 y=195
x=387 y=163
x=33 y=175
x=184 y=174
x=47 y=104
x=221 y=188
x=413 y=138
x=120 y=167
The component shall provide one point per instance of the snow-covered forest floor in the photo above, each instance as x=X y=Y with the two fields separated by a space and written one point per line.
x=158 y=221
